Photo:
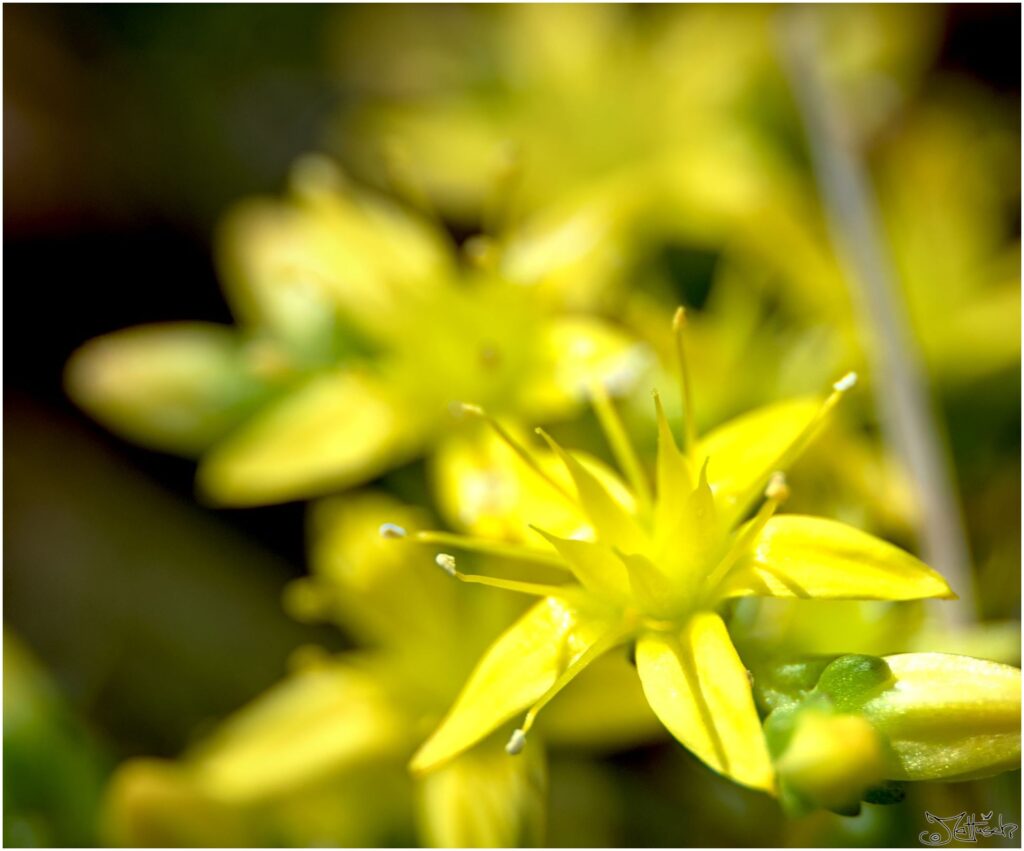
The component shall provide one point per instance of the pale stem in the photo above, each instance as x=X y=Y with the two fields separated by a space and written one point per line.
x=900 y=383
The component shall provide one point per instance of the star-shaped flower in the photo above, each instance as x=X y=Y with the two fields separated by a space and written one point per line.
x=358 y=323
x=652 y=567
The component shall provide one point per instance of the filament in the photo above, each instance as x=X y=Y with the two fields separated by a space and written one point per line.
x=520 y=450
x=601 y=646
x=503 y=549
x=447 y=563
x=686 y=385
x=622 y=447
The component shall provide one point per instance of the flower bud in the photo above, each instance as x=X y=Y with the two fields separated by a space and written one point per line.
x=831 y=761
x=869 y=721
x=949 y=717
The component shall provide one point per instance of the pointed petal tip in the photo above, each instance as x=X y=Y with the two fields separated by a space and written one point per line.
x=426 y=760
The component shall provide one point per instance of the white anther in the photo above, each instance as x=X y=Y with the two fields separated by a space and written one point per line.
x=777 y=488
x=845 y=383
x=516 y=743
x=391 y=531
x=446 y=562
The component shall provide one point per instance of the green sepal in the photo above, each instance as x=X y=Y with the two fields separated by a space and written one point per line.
x=785 y=683
x=851 y=680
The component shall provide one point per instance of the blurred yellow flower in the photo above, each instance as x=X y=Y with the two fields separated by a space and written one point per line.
x=653 y=568
x=587 y=92
x=359 y=323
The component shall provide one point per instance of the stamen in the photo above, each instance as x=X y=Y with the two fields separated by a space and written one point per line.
x=392 y=531
x=689 y=415
x=516 y=743
x=601 y=646
x=801 y=441
x=845 y=383
x=777 y=489
x=503 y=549
x=446 y=561
x=517 y=447
x=621 y=446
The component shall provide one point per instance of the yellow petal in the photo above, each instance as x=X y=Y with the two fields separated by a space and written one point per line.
x=596 y=566
x=573 y=352
x=613 y=523
x=652 y=589
x=339 y=429
x=798 y=556
x=483 y=487
x=485 y=799
x=317 y=721
x=518 y=668
x=694 y=543
x=154 y=803
x=950 y=717
x=176 y=387
x=354 y=249
x=674 y=478
x=747 y=450
x=699 y=689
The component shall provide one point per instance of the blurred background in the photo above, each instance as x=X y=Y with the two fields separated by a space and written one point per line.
x=135 y=617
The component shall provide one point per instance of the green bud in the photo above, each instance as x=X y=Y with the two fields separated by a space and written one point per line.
x=948 y=717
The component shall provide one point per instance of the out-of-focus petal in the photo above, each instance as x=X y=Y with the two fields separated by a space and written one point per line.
x=176 y=387
x=317 y=721
x=485 y=488
x=338 y=430
x=386 y=591
x=485 y=799
x=573 y=353
x=358 y=251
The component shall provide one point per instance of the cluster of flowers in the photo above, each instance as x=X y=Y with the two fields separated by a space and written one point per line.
x=369 y=340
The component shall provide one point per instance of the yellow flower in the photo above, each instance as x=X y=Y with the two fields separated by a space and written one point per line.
x=320 y=758
x=653 y=566
x=358 y=324
x=587 y=91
